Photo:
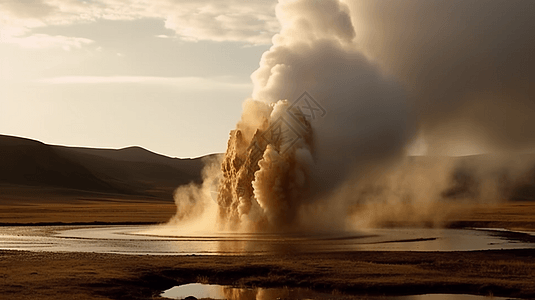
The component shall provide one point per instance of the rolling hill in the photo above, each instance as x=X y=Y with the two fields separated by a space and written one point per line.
x=133 y=171
x=35 y=168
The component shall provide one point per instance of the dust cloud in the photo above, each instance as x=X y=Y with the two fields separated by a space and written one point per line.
x=283 y=161
x=349 y=89
x=467 y=65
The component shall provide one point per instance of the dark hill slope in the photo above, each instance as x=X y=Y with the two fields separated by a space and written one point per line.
x=137 y=170
x=27 y=162
x=128 y=171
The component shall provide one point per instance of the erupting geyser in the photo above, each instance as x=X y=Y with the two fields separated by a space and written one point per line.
x=265 y=176
x=319 y=108
x=326 y=130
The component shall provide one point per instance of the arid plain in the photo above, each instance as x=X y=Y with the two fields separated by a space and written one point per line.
x=45 y=275
x=52 y=275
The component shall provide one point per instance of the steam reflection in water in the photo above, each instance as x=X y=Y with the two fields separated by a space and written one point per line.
x=212 y=291
x=155 y=240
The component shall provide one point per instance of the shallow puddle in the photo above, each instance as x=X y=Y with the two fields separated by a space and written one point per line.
x=220 y=292
x=161 y=240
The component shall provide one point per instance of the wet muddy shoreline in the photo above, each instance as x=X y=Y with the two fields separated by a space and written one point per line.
x=175 y=240
x=507 y=273
x=49 y=275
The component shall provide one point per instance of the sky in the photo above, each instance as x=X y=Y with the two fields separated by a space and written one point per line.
x=169 y=76
x=172 y=75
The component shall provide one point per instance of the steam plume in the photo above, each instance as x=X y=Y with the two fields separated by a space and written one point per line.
x=468 y=66
x=463 y=74
x=268 y=184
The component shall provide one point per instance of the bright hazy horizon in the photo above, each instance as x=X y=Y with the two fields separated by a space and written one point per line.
x=171 y=76
x=167 y=76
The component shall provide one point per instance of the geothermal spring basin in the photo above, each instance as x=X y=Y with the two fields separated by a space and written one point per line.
x=164 y=240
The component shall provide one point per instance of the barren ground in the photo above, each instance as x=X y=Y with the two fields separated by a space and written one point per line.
x=28 y=275
x=41 y=275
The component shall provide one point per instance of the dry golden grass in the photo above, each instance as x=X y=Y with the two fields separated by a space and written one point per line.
x=27 y=275
x=510 y=215
x=44 y=206
x=108 y=276
x=87 y=212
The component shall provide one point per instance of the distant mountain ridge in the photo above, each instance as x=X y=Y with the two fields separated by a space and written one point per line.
x=135 y=172
x=128 y=171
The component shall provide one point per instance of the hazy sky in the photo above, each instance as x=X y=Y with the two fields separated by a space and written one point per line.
x=171 y=75
x=166 y=75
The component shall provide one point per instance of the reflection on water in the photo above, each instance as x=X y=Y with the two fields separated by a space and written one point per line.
x=151 y=240
x=212 y=291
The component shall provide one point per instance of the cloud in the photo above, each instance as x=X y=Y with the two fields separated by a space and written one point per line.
x=246 y=21
x=196 y=83
x=468 y=64
x=47 y=41
x=252 y=22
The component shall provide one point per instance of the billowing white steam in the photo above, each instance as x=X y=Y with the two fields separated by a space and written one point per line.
x=325 y=132
x=334 y=109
